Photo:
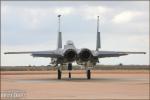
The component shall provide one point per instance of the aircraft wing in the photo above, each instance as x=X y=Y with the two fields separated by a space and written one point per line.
x=102 y=54
x=52 y=54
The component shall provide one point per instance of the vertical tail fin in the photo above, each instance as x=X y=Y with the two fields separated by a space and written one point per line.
x=59 y=40
x=59 y=45
x=98 y=42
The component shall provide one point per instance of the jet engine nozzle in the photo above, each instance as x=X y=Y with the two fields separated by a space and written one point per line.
x=85 y=54
x=70 y=55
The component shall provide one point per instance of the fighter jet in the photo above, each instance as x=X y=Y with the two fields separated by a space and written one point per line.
x=69 y=54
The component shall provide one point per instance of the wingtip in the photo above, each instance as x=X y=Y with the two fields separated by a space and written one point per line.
x=6 y=52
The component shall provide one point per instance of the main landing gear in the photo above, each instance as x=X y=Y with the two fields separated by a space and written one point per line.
x=59 y=74
x=69 y=69
x=88 y=73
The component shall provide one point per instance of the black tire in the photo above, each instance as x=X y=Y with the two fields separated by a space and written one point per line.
x=69 y=75
x=59 y=74
x=88 y=74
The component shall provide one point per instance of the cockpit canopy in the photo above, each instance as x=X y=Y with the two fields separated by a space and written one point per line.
x=69 y=42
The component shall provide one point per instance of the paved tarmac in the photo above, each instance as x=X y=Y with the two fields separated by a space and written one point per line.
x=103 y=85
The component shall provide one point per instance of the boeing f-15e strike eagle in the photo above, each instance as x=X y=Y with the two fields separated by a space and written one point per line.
x=69 y=54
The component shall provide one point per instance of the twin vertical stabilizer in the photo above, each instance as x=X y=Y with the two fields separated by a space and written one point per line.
x=98 y=42
x=59 y=45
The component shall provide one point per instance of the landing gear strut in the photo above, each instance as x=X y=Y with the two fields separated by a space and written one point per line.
x=88 y=74
x=69 y=75
x=59 y=74
x=69 y=68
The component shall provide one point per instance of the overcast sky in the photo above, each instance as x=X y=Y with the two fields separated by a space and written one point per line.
x=32 y=26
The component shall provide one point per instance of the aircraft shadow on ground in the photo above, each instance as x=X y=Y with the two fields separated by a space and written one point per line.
x=72 y=80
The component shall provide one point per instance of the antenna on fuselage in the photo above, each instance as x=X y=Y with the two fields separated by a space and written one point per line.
x=59 y=45
x=98 y=42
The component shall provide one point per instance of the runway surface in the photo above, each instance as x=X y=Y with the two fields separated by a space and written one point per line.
x=103 y=85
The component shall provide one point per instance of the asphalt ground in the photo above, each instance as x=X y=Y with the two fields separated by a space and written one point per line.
x=105 y=84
